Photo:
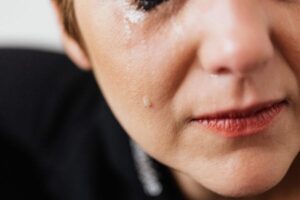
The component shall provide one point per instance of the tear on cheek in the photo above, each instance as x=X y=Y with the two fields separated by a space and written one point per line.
x=131 y=17
x=147 y=102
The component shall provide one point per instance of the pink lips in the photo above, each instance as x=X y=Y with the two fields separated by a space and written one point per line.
x=236 y=123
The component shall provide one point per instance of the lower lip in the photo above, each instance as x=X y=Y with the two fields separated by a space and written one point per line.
x=244 y=126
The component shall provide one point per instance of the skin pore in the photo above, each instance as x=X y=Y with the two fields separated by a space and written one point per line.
x=159 y=69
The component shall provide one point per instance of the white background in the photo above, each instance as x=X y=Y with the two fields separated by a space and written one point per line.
x=28 y=23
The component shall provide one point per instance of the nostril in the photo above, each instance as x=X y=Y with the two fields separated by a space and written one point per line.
x=222 y=71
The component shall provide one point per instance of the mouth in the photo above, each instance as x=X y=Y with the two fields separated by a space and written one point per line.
x=242 y=122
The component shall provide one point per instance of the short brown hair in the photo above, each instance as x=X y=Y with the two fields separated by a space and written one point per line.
x=68 y=18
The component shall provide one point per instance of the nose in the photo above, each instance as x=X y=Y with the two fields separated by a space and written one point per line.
x=237 y=41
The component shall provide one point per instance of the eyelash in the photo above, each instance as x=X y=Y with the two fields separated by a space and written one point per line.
x=148 y=5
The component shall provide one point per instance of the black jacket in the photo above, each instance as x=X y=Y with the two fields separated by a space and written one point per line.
x=59 y=140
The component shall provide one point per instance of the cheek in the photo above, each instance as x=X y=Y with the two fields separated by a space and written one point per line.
x=287 y=36
x=137 y=77
x=141 y=84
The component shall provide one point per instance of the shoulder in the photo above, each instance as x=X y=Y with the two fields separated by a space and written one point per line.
x=48 y=120
x=37 y=87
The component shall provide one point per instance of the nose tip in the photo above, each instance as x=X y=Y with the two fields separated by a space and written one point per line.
x=241 y=43
x=236 y=53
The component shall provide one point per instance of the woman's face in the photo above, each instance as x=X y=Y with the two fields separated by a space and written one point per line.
x=185 y=78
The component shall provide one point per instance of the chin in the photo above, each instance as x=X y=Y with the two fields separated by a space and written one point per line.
x=245 y=190
x=246 y=182
x=244 y=176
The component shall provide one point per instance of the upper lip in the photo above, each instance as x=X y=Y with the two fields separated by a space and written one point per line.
x=240 y=112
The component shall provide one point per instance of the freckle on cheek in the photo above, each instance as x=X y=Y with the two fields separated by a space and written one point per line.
x=147 y=102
